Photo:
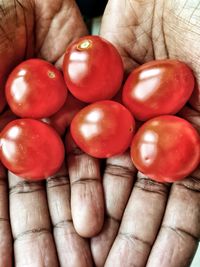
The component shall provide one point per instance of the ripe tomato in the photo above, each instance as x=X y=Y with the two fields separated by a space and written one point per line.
x=62 y=119
x=157 y=88
x=93 y=69
x=31 y=149
x=35 y=89
x=166 y=148
x=103 y=129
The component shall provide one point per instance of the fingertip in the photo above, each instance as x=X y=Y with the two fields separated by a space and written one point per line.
x=88 y=209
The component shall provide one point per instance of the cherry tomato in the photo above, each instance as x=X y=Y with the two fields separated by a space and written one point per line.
x=157 y=88
x=93 y=69
x=103 y=129
x=31 y=149
x=35 y=89
x=62 y=119
x=166 y=148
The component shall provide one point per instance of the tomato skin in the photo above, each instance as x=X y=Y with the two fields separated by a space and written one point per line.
x=103 y=129
x=166 y=148
x=35 y=89
x=62 y=119
x=159 y=87
x=31 y=149
x=93 y=69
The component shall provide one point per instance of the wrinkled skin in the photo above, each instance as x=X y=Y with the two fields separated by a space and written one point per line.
x=146 y=224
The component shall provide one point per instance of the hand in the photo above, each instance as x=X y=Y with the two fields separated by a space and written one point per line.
x=160 y=223
x=43 y=29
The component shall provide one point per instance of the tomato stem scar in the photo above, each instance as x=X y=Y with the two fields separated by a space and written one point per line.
x=84 y=45
x=51 y=74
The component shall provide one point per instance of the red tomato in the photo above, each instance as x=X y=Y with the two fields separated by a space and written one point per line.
x=166 y=148
x=31 y=149
x=157 y=88
x=35 y=89
x=103 y=129
x=62 y=119
x=93 y=69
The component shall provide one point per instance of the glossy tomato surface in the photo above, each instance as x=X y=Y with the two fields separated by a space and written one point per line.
x=93 y=69
x=35 y=89
x=31 y=149
x=103 y=129
x=166 y=148
x=62 y=119
x=159 y=87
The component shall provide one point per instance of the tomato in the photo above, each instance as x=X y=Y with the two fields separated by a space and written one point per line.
x=31 y=149
x=35 y=89
x=159 y=87
x=62 y=119
x=103 y=129
x=166 y=148
x=93 y=69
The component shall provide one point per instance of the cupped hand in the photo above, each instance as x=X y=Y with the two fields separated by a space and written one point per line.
x=146 y=223
x=35 y=218
x=159 y=226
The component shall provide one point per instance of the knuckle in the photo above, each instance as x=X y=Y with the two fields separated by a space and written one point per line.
x=32 y=232
x=57 y=181
x=133 y=239
x=119 y=171
x=23 y=187
x=85 y=181
x=182 y=233
x=145 y=184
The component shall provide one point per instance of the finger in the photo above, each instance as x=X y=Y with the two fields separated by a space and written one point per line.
x=30 y=223
x=73 y=250
x=58 y=23
x=192 y=116
x=140 y=224
x=178 y=238
x=5 y=230
x=182 y=36
x=117 y=182
x=130 y=31
x=87 y=202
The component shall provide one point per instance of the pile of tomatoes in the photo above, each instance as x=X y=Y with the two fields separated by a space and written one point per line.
x=164 y=147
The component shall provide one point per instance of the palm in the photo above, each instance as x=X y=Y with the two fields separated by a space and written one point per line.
x=141 y=31
x=157 y=219
x=37 y=29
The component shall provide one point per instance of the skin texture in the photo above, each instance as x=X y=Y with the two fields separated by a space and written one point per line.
x=164 y=236
x=168 y=235
x=29 y=28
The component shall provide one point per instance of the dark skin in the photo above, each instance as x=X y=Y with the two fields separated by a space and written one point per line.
x=145 y=223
